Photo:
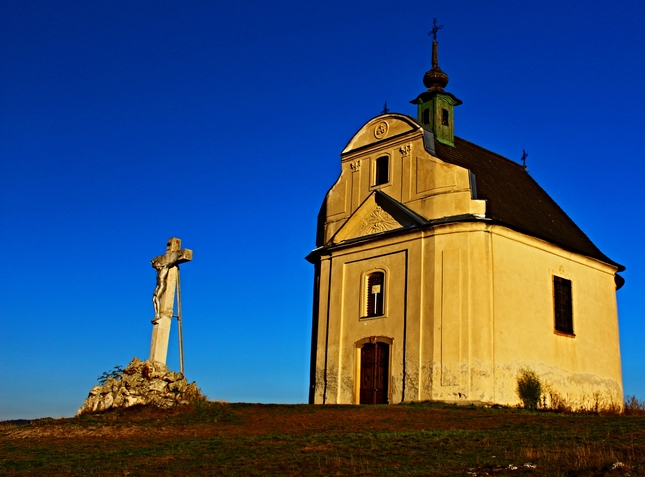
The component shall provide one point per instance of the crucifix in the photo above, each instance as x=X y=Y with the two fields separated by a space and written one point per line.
x=163 y=299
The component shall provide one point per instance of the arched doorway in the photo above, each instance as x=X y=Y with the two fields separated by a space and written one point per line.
x=375 y=360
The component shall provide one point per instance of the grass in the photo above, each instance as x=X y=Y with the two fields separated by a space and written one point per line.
x=425 y=439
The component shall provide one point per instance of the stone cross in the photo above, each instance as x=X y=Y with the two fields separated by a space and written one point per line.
x=163 y=298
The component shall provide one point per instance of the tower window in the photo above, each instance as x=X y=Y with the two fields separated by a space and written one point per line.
x=562 y=305
x=382 y=175
x=375 y=292
x=445 y=116
x=425 y=116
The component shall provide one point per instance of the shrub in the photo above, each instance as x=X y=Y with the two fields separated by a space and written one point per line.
x=116 y=372
x=529 y=388
x=551 y=400
x=634 y=406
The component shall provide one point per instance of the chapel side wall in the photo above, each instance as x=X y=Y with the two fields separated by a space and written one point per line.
x=320 y=352
x=334 y=333
x=585 y=369
x=462 y=314
x=413 y=306
x=428 y=329
x=480 y=312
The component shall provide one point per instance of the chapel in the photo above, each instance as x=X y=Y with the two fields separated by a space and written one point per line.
x=443 y=271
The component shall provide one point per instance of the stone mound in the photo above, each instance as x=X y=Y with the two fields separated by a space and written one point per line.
x=141 y=382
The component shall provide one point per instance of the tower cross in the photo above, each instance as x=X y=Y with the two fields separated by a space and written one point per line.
x=163 y=298
x=434 y=30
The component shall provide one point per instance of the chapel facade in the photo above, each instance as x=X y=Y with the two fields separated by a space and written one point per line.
x=442 y=270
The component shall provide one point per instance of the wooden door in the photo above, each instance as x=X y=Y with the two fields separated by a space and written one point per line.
x=375 y=359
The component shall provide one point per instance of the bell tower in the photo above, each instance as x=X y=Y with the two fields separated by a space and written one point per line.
x=435 y=106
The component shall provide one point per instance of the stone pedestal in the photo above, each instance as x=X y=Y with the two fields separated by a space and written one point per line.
x=142 y=383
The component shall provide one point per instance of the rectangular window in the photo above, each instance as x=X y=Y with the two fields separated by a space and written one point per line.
x=562 y=305
x=382 y=170
x=426 y=116
x=444 y=117
x=375 y=292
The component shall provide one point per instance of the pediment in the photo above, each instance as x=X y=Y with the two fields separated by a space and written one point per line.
x=381 y=128
x=377 y=214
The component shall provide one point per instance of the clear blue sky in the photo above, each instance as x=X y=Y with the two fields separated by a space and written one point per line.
x=124 y=123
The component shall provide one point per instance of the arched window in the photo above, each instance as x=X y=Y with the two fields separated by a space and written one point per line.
x=375 y=289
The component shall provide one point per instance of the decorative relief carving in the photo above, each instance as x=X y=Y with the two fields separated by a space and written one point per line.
x=378 y=221
x=406 y=150
x=381 y=129
x=356 y=165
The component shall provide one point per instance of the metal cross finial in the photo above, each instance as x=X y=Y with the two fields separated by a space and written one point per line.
x=434 y=30
x=524 y=156
x=385 y=109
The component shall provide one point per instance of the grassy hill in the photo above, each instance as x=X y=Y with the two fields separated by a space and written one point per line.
x=208 y=439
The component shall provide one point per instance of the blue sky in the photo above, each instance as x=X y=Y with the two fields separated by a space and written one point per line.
x=125 y=123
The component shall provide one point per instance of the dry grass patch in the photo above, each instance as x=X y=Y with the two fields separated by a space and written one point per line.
x=250 y=439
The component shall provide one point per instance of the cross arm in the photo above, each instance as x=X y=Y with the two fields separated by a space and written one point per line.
x=171 y=259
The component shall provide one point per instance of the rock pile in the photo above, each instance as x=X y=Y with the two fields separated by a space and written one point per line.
x=141 y=382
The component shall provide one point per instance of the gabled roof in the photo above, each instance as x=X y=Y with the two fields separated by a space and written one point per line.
x=377 y=215
x=514 y=199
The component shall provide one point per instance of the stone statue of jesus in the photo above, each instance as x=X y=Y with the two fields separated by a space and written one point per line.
x=162 y=276
x=163 y=264
x=163 y=296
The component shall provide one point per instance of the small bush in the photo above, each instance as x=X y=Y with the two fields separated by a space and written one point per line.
x=116 y=372
x=551 y=400
x=633 y=406
x=558 y=403
x=529 y=388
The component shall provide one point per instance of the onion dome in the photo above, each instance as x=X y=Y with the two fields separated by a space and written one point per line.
x=435 y=79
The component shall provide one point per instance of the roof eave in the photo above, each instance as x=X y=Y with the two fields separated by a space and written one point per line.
x=326 y=249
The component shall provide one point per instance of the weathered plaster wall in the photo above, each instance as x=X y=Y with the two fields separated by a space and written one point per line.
x=463 y=355
x=576 y=367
